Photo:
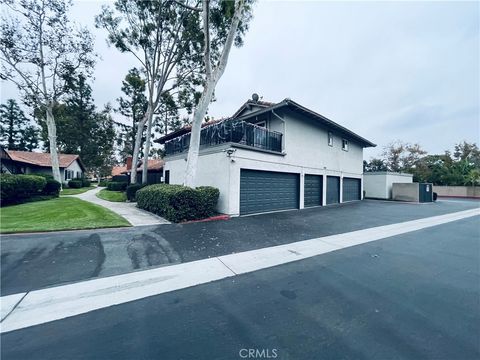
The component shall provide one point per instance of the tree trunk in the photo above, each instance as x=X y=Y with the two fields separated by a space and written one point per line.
x=138 y=142
x=194 y=147
x=146 y=150
x=52 y=138
x=211 y=83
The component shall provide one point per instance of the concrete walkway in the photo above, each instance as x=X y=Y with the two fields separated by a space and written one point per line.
x=128 y=210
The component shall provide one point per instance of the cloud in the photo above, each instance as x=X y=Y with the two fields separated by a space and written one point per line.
x=386 y=70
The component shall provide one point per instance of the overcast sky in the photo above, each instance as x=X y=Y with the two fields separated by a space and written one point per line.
x=403 y=70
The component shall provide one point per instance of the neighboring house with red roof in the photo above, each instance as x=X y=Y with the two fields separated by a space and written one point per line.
x=154 y=170
x=25 y=162
x=271 y=157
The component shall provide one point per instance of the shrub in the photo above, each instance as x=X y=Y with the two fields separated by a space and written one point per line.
x=75 y=184
x=120 y=178
x=435 y=196
x=103 y=183
x=178 y=203
x=117 y=186
x=85 y=182
x=16 y=188
x=132 y=191
x=208 y=200
x=52 y=187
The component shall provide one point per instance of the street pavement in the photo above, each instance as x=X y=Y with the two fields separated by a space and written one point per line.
x=411 y=296
x=35 y=261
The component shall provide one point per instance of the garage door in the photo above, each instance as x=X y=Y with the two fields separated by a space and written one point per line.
x=313 y=190
x=262 y=191
x=351 y=189
x=333 y=189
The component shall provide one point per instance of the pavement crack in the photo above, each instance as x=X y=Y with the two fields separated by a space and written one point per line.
x=234 y=273
x=14 y=307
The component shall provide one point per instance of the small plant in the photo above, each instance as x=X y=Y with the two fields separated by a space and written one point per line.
x=117 y=186
x=132 y=191
x=52 y=187
x=103 y=183
x=75 y=184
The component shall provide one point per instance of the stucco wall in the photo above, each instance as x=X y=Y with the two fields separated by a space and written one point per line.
x=458 y=191
x=378 y=185
x=75 y=167
x=405 y=192
x=306 y=151
x=212 y=170
x=306 y=144
x=216 y=169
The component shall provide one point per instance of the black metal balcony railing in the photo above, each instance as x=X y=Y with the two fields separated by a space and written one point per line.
x=235 y=131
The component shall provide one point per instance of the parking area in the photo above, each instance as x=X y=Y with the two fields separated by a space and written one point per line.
x=34 y=261
x=411 y=296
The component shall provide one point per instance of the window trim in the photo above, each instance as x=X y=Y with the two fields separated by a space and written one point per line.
x=344 y=144
x=330 y=138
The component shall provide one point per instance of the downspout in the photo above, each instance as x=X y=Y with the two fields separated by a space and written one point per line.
x=284 y=129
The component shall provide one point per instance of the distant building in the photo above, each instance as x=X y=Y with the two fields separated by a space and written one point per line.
x=25 y=162
x=154 y=170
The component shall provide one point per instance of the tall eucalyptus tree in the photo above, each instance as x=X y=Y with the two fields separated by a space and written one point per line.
x=40 y=51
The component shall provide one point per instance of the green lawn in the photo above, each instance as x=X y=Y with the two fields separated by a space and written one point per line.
x=76 y=191
x=115 y=196
x=57 y=214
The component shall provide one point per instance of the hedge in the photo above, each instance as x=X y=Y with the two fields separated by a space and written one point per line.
x=103 y=183
x=17 y=188
x=132 y=191
x=178 y=203
x=85 y=182
x=117 y=186
x=75 y=184
x=52 y=187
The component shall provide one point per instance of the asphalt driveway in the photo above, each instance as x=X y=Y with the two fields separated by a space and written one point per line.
x=35 y=261
x=412 y=296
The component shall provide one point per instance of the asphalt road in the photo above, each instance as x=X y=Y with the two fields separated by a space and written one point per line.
x=34 y=261
x=412 y=296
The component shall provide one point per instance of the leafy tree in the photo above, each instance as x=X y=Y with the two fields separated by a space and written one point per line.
x=374 y=165
x=17 y=131
x=399 y=156
x=82 y=129
x=467 y=151
x=133 y=106
x=224 y=23
x=164 y=37
x=40 y=51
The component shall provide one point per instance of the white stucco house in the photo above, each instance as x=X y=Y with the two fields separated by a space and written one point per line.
x=26 y=162
x=271 y=157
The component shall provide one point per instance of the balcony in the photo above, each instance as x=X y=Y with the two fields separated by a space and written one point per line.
x=230 y=131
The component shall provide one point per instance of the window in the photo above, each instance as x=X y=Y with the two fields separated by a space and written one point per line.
x=167 y=177
x=330 y=139
x=344 y=145
x=69 y=174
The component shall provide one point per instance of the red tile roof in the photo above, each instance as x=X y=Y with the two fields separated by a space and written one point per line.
x=41 y=159
x=153 y=164
x=118 y=170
